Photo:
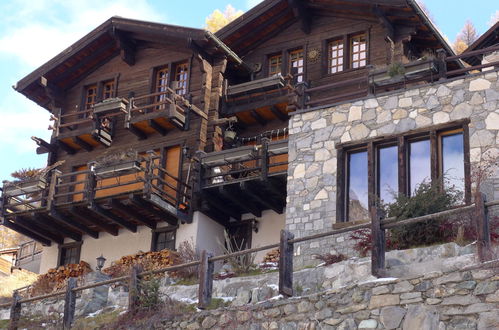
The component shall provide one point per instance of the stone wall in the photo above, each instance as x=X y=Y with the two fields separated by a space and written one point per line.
x=314 y=134
x=458 y=300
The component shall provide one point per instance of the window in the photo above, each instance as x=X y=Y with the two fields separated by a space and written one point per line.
x=378 y=170
x=275 y=65
x=69 y=253
x=296 y=65
x=163 y=238
x=181 y=78
x=90 y=96
x=161 y=84
x=358 y=51
x=335 y=56
x=108 y=90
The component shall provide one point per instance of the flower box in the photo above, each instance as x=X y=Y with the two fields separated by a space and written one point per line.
x=110 y=106
x=117 y=169
x=412 y=70
x=24 y=187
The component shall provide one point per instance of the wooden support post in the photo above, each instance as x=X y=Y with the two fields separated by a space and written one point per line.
x=15 y=311
x=134 y=289
x=286 y=264
x=205 y=280
x=482 y=228
x=90 y=187
x=265 y=158
x=378 y=243
x=69 y=304
x=148 y=176
x=54 y=178
x=442 y=63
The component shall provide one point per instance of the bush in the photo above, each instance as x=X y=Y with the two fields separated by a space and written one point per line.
x=187 y=253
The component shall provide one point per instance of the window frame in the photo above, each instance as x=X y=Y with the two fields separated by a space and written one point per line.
x=287 y=61
x=341 y=41
x=267 y=63
x=99 y=85
x=156 y=232
x=402 y=141
x=347 y=59
x=71 y=245
x=172 y=71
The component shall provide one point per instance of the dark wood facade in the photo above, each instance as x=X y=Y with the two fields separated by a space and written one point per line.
x=171 y=94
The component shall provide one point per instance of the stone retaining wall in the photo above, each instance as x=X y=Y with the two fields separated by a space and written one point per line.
x=313 y=137
x=436 y=301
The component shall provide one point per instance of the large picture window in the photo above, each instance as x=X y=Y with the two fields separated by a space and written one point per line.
x=379 y=169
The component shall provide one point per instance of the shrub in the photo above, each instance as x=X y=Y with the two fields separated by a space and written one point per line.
x=187 y=253
x=242 y=264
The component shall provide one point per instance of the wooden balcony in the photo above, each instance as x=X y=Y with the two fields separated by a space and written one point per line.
x=248 y=179
x=258 y=101
x=158 y=113
x=89 y=201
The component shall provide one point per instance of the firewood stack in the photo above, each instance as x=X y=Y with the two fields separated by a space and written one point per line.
x=55 y=279
x=148 y=261
x=272 y=256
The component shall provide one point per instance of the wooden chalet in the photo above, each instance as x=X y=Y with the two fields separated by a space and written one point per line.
x=153 y=123
x=490 y=39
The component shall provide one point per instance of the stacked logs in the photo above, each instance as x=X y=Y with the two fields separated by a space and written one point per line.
x=55 y=278
x=147 y=260
x=272 y=256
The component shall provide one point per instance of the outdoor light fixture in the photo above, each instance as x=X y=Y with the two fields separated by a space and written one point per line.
x=100 y=262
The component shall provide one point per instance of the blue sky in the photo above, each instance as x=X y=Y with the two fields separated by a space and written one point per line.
x=32 y=32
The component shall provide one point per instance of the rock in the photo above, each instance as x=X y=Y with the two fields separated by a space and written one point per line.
x=421 y=317
x=482 y=138
x=243 y=316
x=410 y=295
x=462 y=110
x=405 y=102
x=224 y=319
x=243 y=298
x=371 y=103
x=469 y=285
x=348 y=324
x=351 y=309
x=193 y=326
x=323 y=314
x=355 y=113
x=440 y=118
x=208 y=322
x=338 y=117
x=380 y=290
x=368 y=324
x=391 y=317
x=460 y=300
x=304 y=307
x=403 y=286
x=479 y=84
x=486 y=288
x=318 y=124
x=399 y=114
x=359 y=131
x=289 y=309
x=488 y=320
x=492 y=121
x=391 y=103
x=433 y=301
x=384 y=300
x=332 y=322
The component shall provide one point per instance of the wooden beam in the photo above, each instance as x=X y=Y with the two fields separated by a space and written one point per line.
x=140 y=134
x=32 y=226
x=65 y=147
x=28 y=233
x=258 y=118
x=83 y=144
x=116 y=204
x=111 y=217
x=73 y=224
x=220 y=205
x=169 y=218
x=126 y=46
x=303 y=13
x=281 y=116
x=157 y=127
x=112 y=230
x=43 y=144
x=256 y=195
x=232 y=109
x=64 y=231
x=235 y=197
x=385 y=23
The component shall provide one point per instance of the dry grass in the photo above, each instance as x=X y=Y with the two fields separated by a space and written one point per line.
x=16 y=280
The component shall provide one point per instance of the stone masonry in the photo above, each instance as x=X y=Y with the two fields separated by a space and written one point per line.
x=311 y=204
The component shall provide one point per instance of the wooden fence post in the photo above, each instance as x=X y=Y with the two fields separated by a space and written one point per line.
x=378 y=243
x=265 y=158
x=133 y=289
x=69 y=304
x=206 y=269
x=482 y=228
x=15 y=311
x=286 y=264
x=442 y=63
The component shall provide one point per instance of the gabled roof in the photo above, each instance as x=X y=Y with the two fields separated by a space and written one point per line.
x=488 y=39
x=115 y=36
x=272 y=16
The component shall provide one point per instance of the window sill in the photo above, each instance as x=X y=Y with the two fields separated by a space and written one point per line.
x=342 y=225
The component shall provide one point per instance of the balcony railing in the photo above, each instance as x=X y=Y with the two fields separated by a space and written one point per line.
x=244 y=163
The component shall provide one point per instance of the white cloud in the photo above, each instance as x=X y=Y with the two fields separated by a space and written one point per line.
x=51 y=26
x=252 y=3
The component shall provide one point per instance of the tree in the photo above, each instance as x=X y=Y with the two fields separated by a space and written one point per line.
x=466 y=37
x=217 y=20
x=494 y=18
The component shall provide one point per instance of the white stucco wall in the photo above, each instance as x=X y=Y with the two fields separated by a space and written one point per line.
x=49 y=258
x=269 y=231
x=209 y=234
